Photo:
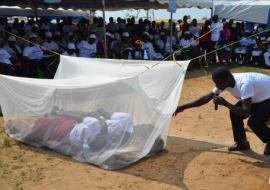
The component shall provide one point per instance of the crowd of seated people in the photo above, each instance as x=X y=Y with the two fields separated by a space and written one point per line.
x=38 y=54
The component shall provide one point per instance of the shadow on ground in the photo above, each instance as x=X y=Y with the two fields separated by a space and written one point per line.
x=171 y=163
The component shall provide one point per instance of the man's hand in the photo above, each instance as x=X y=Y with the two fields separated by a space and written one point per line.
x=219 y=101
x=178 y=109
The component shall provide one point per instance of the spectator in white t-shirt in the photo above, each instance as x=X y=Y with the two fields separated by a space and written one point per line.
x=88 y=47
x=6 y=67
x=194 y=29
x=253 y=92
x=216 y=28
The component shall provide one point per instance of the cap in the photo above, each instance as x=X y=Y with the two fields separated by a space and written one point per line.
x=71 y=46
x=12 y=39
x=109 y=34
x=70 y=33
x=93 y=36
x=247 y=31
x=125 y=34
x=48 y=34
x=196 y=35
x=32 y=36
x=146 y=33
x=57 y=33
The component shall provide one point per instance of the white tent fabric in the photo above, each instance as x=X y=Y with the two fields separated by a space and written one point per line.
x=190 y=3
x=110 y=113
x=244 y=10
x=17 y=11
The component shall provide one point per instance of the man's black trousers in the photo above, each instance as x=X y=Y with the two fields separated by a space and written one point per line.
x=260 y=114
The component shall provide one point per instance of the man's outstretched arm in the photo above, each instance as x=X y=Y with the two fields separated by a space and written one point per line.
x=196 y=103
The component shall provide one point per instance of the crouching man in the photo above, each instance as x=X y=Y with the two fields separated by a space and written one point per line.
x=253 y=92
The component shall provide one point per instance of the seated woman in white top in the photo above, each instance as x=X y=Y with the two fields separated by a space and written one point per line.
x=33 y=52
x=243 y=51
x=6 y=66
x=70 y=50
x=148 y=46
x=267 y=57
x=257 y=52
x=49 y=44
x=34 y=57
x=185 y=44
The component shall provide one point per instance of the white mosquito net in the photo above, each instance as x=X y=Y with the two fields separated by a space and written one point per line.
x=110 y=113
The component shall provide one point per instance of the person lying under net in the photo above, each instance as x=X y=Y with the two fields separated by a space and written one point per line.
x=93 y=136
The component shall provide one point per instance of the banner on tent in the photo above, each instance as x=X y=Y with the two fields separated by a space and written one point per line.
x=172 y=6
x=52 y=1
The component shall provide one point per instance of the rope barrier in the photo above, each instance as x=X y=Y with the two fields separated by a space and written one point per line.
x=228 y=45
x=173 y=53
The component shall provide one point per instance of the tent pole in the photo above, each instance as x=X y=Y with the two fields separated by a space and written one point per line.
x=36 y=10
x=104 y=29
x=212 y=9
x=36 y=14
x=171 y=32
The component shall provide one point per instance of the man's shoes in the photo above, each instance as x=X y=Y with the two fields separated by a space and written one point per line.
x=267 y=149
x=243 y=145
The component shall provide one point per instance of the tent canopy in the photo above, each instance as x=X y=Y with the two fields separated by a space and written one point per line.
x=189 y=3
x=17 y=11
x=87 y=4
x=244 y=10
x=111 y=5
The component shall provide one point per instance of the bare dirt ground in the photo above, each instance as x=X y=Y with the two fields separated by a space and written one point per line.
x=196 y=158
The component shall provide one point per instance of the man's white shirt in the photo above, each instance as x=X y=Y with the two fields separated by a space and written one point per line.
x=249 y=85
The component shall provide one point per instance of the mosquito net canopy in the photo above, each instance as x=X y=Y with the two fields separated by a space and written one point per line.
x=110 y=113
